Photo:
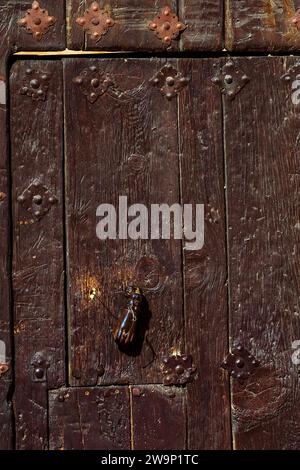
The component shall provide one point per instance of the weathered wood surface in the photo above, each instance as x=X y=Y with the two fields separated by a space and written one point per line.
x=124 y=144
x=132 y=17
x=262 y=159
x=5 y=317
x=11 y=40
x=205 y=24
x=89 y=419
x=158 y=418
x=6 y=437
x=14 y=38
x=261 y=25
x=38 y=251
x=205 y=270
x=130 y=31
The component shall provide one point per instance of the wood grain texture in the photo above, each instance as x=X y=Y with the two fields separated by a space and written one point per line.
x=261 y=25
x=205 y=271
x=6 y=416
x=11 y=40
x=5 y=314
x=89 y=419
x=124 y=144
x=205 y=25
x=38 y=259
x=158 y=418
x=262 y=157
x=15 y=38
x=130 y=33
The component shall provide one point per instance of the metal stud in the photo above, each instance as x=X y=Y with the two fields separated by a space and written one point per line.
x=40 y=363
x=37 y=199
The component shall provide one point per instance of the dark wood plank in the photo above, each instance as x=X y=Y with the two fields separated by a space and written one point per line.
x=205 y=24
x=12 y=38
x=123 y=144
x=261 y=25
x=89 y=419
x=130 y=32
x=158 y=418
x=5 y=317
x=262 y=158
x=16 y=38
x=38 y=259
x=6 y=435
x=205 y=272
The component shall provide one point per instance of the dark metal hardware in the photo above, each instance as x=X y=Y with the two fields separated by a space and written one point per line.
x=230 y=79
x=178 y=370
x=35 y=84
x=93 y=83
x=240 y=363
x=40 y=363
x=170 y=81
x=37 y=199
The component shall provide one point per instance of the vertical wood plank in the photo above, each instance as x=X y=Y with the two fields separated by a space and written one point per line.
x=261 y=25
x=205 y=272
x=13 y=39
x=89 y=419
x=205 y=24
x=158 y=418
x=125 y=144
x=262 y=157
x=5 y=315
x=38 y=252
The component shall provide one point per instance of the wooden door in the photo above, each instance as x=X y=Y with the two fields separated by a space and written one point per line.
x=97 y=129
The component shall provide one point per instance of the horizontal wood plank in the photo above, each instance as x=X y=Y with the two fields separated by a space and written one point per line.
x=261 y=25
x=204 y=21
